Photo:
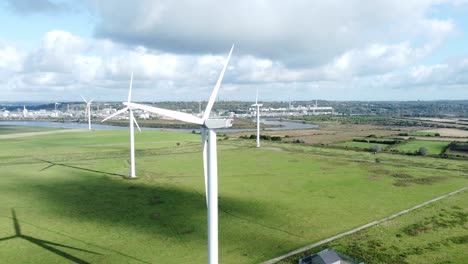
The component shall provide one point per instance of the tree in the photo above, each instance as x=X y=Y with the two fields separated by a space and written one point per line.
x=376 y=148
x=423 y=151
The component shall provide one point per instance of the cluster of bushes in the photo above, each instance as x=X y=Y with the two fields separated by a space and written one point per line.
x=459 y=146
x=298 y=141
x=378 y=141
x=262 y=137
x=420 y=134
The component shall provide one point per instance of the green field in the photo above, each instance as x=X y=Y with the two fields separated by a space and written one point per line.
x=423 y=134
x=4 y=130
x=433 y=234
x=359 y=145
x=412 y=146
x=67 y=189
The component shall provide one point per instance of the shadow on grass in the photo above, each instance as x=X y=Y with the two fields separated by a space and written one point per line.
x=47 y=245
x=167 y=213
x=52 y=164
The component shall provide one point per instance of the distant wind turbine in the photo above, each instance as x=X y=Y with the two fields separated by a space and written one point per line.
x=210 y=162
x=25 y=111
x=258 y=119
x=56 y=113
x=88 y=110
x=132 y=128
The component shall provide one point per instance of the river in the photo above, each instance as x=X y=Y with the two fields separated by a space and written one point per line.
x=280 y=125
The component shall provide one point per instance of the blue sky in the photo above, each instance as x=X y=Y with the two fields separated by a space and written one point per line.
x=333 y=50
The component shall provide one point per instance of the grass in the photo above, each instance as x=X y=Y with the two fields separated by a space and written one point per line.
x=423 y=134
x=67 y=189
x=4 y=130
x=412 y=146
x=433 y=234
x=360 y=145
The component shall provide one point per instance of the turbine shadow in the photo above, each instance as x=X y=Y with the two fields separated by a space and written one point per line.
x=52 y=164
x=45 y=244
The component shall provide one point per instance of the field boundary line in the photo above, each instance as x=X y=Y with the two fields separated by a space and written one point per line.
x=377 y=222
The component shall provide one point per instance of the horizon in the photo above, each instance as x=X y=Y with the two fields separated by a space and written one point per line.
x=246 y=101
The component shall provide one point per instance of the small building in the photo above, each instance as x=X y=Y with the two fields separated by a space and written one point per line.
x=329 y=256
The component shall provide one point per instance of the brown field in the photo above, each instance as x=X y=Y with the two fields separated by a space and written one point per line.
x=444 y=120
x=460 y=139
x=449 y=132
x=329 y=133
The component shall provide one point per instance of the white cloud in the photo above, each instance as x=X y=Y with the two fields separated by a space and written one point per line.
x=176 y=49
x=11 y=59
x=297 y=33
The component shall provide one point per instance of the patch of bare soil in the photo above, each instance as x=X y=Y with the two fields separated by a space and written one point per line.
x=329 y=133
x=449 y=132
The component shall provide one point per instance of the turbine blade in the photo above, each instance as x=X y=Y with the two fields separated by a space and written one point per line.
x=205 y=166
x=90 y=101
x=214 y=94
x=115 y=114
x=168 y=113
x=130 y=89
x=136 y=123
x=84 y=99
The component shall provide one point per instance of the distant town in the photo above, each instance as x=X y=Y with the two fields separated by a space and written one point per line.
x=239 y=109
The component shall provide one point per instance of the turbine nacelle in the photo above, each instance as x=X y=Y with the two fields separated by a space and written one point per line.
x=217 y=123
x=259 y=105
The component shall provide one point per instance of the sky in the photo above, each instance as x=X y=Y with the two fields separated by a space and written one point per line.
x=57 y=50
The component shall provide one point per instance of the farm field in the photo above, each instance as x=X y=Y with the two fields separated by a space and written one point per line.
x=449 y=132
x=67 y=189
x=436 y=233
x=412 y=146
x=423 y=134
x=5 y=130
x=360 y=145
x=330 y=133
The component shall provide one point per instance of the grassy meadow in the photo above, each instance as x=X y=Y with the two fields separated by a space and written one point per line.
x=360 y=145
x=412 y=146
x=5 y=130
x=66 y=195
x=433 y=234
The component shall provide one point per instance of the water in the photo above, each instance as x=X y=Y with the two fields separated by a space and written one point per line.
x=281 y=125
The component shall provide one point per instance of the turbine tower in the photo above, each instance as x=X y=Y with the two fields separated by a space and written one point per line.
x=56 y=113
x=25 y=111
x=210 y=162
x=257 y=105
x=132 y=128
x=88 y=111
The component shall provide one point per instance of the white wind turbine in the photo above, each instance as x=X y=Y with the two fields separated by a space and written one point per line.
x=258 y=119
x=88 y=110
x=132 y=128
x=210 y=162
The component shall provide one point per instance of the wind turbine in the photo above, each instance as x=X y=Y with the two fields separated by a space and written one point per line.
x=88 y=110
x=132 y=128
x=210 y=162
x=56 y=113
x=258 y=119
x=25 y=111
